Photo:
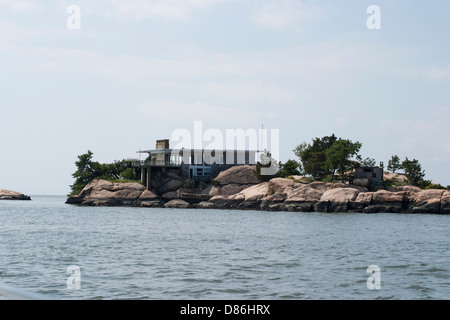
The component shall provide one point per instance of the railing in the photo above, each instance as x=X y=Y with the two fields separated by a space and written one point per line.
x=157 y=163
x=20 y=294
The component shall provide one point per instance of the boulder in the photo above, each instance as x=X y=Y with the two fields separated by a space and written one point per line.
x=305 y=193
x=337 y=199
x=170 y=195
x=427 y=201
x=228 y=190
x=205 y=205
x=177 y=203
x=238 y=175
x=225 y=202
x=104 y=193
x=148 y=199
x=170 y=185
x=385 y=201
x=445 y=202
x=12 y=195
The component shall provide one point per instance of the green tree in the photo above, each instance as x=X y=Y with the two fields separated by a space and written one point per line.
x=290 y=168
x=313 y=156
x=367 y=162
x=394 y=164
x=339 y=156
x=414 y=172
x=87 y=170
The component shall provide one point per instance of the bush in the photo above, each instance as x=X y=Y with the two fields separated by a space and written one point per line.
x=189 y=184
x=435 y=186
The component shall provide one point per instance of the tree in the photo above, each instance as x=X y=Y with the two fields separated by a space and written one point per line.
x=414 y=172
x=367 y=162
x=290 y=168
x=339 y=156
x=394 y=164
x=313 y=156
x=88 y=170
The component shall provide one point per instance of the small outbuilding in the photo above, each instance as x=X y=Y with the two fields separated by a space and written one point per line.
x=369 y=177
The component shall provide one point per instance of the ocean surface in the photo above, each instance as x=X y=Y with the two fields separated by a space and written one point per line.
x=69 y=252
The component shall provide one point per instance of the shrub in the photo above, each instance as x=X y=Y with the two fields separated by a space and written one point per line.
x=435 y=186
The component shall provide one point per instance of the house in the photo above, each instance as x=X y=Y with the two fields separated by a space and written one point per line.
x=196 y=164
x=369 y=177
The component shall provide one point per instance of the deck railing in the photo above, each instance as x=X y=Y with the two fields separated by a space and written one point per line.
x=156 y=163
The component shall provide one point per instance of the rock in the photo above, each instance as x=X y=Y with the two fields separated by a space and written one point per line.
x=337 y=199
x=445 y=203
x=105 y=193
x=397 y=177
x=228 y=190
x=225 y=202
x=148 y=199
x=173 y=175
x=428 y=201
x=410 y=189
x=170 y=185
x=177 y=203
x=194 y=198
x=205 y=205
x=340 y=195
x=12 y=195
x=305 y=193
x=239 y=175
x=170 y=195
x=385 y=201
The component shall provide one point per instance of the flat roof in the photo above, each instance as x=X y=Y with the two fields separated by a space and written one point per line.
x=190 y=150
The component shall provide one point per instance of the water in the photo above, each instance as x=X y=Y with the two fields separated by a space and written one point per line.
x=152 y=253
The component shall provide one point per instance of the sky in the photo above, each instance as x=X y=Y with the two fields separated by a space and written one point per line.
x=118 y=75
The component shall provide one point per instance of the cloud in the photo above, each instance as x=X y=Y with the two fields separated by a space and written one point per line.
x=427 y=135
x=19 y=5
x=177 y=10
x=188 y=112
x=284 y=14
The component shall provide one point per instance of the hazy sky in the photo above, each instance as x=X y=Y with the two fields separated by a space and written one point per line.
x=137 y=70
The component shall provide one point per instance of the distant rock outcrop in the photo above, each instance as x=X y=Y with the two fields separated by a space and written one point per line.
x=12 y=195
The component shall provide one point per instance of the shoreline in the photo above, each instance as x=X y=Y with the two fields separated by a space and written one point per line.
x=236 y=189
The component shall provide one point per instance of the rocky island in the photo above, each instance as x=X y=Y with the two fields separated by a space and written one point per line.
x=12 y=195
x=239 y=188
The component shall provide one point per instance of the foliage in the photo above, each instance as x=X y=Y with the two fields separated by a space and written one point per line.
x=339 y=156
x=189 y=184
x=414 y=172
x=394 y=164
x=435 y=186
x=88 y=170
x=367 y=162
x=313 y=156
x=290 y=168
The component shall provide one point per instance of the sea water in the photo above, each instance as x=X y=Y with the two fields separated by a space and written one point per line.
x=71 y=252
